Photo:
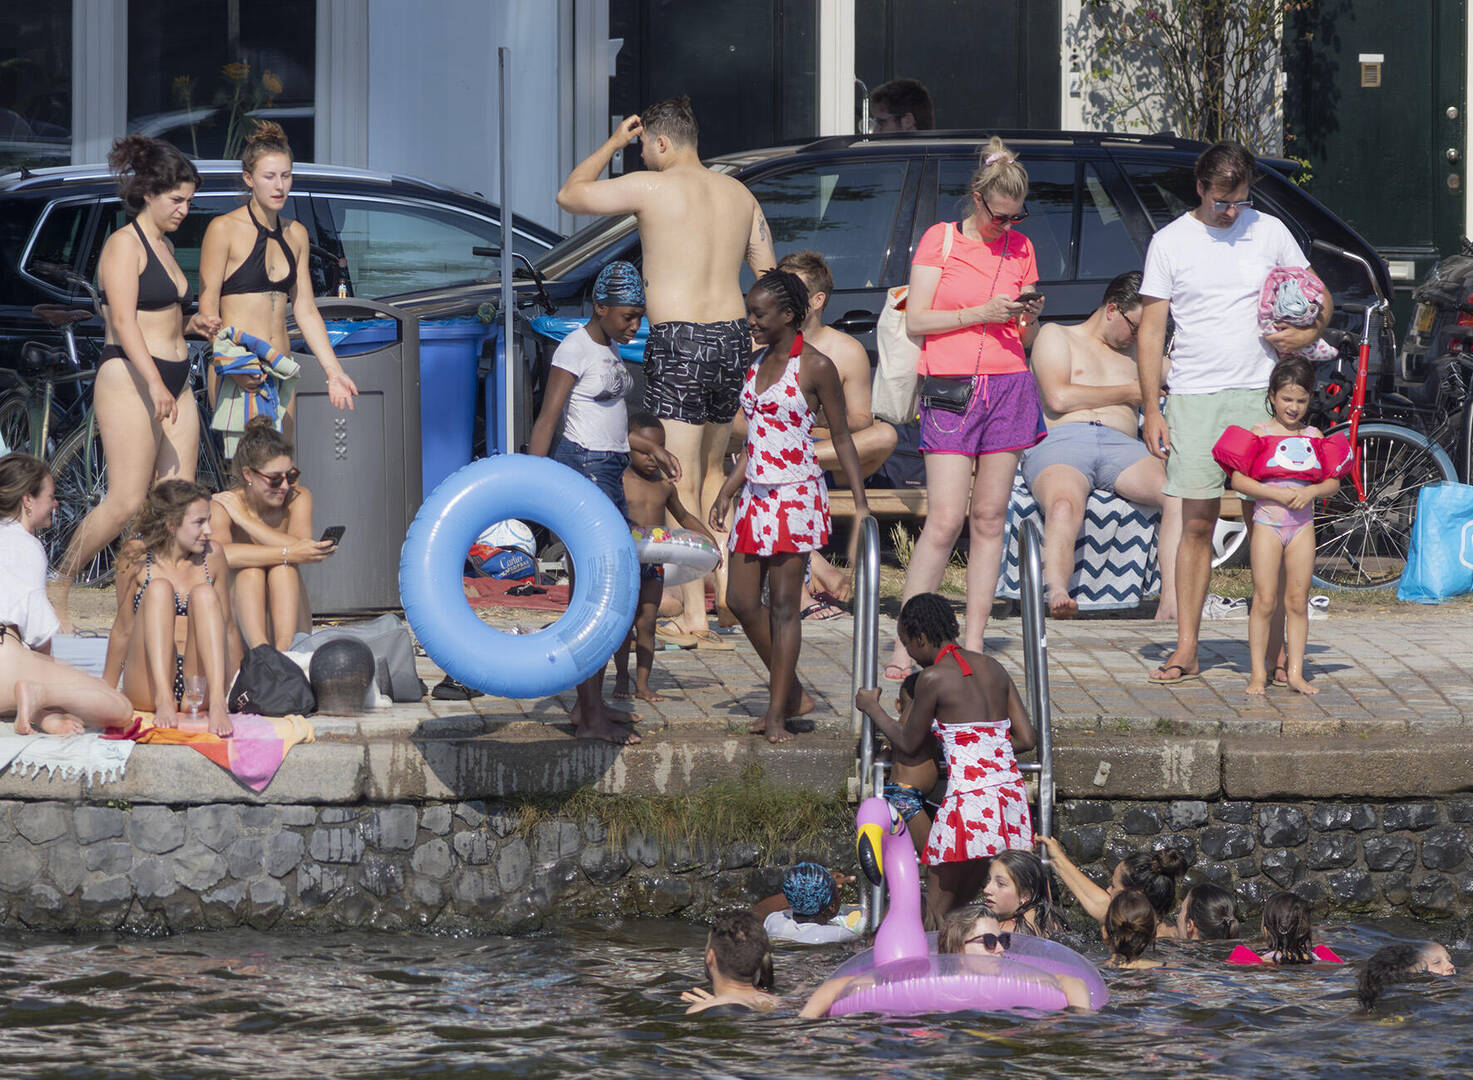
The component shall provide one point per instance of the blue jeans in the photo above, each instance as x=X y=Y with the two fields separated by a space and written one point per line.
x=604 y=467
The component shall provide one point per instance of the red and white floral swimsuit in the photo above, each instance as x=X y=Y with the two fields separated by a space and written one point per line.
x=986 y=806
x=784 y=505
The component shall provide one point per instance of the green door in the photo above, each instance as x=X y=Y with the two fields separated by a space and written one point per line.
x=1374 y=100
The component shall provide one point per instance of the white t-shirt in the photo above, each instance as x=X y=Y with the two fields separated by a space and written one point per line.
x=23 y=600
x=596 y=418
x=1212 y=277
x=781 y=926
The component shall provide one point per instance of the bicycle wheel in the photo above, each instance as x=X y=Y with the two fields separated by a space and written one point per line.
x=1363 y=545
x=15 y=422
x=80 y=474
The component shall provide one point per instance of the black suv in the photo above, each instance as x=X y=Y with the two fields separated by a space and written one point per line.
x=373 y=232
x=864 y=201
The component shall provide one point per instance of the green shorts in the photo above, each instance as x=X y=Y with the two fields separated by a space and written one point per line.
x=1194 y=423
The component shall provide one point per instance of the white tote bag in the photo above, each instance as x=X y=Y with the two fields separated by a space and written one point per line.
x=893 y=394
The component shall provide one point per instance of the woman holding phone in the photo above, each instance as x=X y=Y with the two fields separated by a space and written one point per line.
x=972 y=299
x=265 y=526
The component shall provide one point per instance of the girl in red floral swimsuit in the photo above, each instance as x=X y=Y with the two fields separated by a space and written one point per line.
x=971 y=704
x=783 y=511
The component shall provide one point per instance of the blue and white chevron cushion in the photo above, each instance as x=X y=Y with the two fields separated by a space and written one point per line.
x=1114 y=554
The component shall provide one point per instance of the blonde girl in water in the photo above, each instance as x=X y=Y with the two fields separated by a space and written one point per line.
x=148 y=424
x=254 y=263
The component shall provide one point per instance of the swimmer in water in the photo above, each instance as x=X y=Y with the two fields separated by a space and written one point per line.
x=1208 y=913
x=739 y=962
x=1152 y=873
x=808 y=911
x=1017 y=893
x=1395 y=963
x=1130 y=929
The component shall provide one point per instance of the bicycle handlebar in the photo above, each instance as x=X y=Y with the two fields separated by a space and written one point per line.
x=1326 y=246
x=63 y=275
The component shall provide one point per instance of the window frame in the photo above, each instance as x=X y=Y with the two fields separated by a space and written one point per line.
x=89 y=236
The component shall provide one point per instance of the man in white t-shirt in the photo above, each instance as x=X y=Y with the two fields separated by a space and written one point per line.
x=1207 y=267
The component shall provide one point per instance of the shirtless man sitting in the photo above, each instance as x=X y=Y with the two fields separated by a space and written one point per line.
x=696 y=228
x=1091 y=393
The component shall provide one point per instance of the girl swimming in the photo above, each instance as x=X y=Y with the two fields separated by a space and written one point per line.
x=1130 y=929
x=1288 y=926
x=1018 y=894
x=1152 y=873
x=1208 y=913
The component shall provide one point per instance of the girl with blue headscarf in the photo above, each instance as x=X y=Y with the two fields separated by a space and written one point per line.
x=586 y=388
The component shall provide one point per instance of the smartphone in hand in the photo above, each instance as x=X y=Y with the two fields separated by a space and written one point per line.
x=333 y=534
x=1027 y=297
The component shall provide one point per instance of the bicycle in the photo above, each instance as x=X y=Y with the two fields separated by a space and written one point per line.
x=1363 y=532
x=33 y=416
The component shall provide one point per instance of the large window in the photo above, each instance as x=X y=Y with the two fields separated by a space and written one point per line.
x=35 y=84
x=394 y=249
x=199 y=75
x=844 y=211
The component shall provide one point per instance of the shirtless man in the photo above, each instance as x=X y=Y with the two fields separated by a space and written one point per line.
x=1091 y=392
x=696 y=228
x=739 y=961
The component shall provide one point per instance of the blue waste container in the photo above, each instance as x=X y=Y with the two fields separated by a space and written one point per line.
x=449 y=355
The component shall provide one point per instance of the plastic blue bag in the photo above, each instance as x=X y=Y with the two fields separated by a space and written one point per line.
x=1440 y=562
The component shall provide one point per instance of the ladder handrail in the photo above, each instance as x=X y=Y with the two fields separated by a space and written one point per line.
x=1035 y=670
x=864 y=673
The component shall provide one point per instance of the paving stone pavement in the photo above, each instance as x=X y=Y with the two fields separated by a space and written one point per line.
x=1410 y=672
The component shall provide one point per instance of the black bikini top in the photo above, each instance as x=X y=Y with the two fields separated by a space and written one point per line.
x=156 y=289
x=250 y=276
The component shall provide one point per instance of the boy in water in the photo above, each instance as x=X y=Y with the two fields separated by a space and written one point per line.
x=912 y=776
x=648 y=494
x=739 y=962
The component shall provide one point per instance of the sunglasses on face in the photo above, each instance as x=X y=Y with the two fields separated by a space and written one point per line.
x=1220 y=207
x=275 y=480
x=1135 y=327
x=1004 y=219
x=991 y=942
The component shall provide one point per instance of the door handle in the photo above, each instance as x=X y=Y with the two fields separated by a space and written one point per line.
x=856 y=322
x=1452 y=154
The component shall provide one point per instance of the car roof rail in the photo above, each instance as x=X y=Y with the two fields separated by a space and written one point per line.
x=839 y=142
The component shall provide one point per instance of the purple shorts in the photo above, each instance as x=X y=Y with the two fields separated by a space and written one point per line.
x=1003 y=415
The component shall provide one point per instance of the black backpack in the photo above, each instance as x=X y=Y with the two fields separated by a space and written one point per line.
x=270 y=684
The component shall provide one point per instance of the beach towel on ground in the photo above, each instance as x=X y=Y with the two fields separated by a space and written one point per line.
x=252 y=754
x=93 y=757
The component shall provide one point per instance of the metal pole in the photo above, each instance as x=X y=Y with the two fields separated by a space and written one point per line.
x=1035 y=666
x=508 y=283
x=864 y=672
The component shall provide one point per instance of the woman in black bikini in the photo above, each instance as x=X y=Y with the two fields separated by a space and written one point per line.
x=173 y=607
x=253 y=264
x=149 y=430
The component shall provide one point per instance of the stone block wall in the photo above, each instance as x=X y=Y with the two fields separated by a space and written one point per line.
x=477 y=866
x=1350 y=857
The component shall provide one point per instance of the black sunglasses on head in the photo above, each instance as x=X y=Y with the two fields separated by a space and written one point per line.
x=992 y=941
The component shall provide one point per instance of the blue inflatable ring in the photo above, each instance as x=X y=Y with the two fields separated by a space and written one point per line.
x=606 y=581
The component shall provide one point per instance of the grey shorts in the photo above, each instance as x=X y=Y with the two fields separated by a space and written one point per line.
x=1097 y=450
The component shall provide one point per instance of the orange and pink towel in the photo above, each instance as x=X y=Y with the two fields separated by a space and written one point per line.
x=252 y=754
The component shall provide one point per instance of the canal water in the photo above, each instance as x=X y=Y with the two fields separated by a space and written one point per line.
x=601 y=1000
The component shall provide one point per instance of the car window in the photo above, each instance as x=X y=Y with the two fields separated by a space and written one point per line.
x=1105 y=244
x=844 y=210
x=61 y=234
x=400 y=248
x=187 y=239
x=1167 y=191
x=1050 y=222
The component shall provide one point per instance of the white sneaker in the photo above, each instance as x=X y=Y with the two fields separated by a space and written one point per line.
x=1319 y=606
x=1225 y=607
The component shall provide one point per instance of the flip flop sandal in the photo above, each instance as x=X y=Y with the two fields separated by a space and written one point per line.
x=713 y=641
x=1182 y=675
x=1275 y=680
x=821 y=611
x=667 y=634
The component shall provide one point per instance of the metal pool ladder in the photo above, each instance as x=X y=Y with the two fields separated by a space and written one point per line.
x=866 y=662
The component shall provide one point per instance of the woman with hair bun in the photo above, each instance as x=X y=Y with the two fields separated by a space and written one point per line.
x=1131 y=927
x=1151 y=873
x=265 y=528
x=1208 y=913
x=253 y=264
x=149 y=429
x=173 y=607
x=43 y=694
x=971 y=298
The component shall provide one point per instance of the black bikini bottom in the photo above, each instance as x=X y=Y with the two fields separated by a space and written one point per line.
x=175 y=373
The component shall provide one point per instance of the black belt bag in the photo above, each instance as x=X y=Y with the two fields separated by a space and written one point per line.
x=948 y=394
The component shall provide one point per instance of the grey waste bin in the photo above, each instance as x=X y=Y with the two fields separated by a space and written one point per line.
x=363 y=466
